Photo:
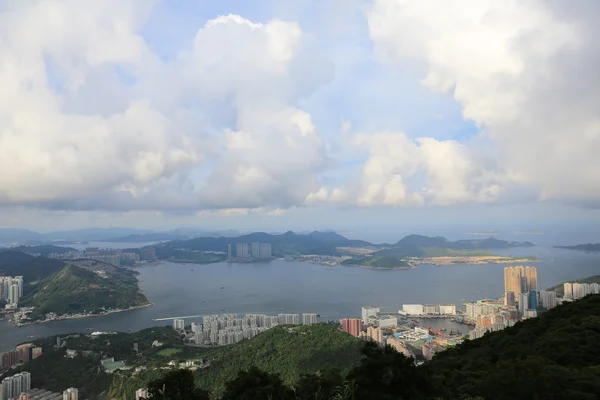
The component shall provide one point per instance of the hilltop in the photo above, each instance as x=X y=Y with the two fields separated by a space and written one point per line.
x=74 y=290
x=54 y=286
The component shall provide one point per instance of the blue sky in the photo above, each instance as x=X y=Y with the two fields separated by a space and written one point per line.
x=292 y=114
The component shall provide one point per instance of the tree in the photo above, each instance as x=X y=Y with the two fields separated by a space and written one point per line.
x=176 y=385
x=386 y=374
x=256 y=384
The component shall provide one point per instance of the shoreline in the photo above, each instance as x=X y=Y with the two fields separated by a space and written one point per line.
x=150 y=304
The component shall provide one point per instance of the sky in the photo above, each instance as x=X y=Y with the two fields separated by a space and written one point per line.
x=303 y=114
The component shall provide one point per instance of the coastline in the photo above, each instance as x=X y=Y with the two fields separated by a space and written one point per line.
x=149 y=304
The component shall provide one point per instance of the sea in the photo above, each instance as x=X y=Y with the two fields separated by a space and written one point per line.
x=193 y=290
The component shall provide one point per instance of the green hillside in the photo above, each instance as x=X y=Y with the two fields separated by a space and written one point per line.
x=287 y=351
x=76 y=290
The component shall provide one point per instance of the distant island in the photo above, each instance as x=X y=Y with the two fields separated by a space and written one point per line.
x=330 y=248
x=589 y=247
x=54 y=289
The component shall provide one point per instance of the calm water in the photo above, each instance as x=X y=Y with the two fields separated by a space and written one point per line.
x=291 y=287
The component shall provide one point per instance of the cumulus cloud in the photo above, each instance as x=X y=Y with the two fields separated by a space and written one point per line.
x=216 y=127
x=525 y=72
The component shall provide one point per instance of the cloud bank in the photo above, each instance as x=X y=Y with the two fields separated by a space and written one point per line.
x=93 y=117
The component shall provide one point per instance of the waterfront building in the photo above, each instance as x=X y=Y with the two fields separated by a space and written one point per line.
x=148 y=253
x=309 y=318
x=352 y=326
x=256 y=250
x=431 y=309
x=141 y=394
x=266 y=250
x=523 y=302
x=448 y=309
x=241 y=250
x=375 y=334
x=509 y=298
x=229 y=258
x=179 y=324
x=367 y=312
x=24 y=351
x=383 y=321
x=412 y=309
x=71 y=394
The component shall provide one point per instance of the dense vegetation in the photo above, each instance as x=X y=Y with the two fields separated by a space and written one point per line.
x=44 y=249
x=286 y=351
x=553 y=357
x=77 y=290
x=582 y=247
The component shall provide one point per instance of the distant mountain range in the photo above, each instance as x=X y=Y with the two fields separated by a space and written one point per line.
x=582 y=247
x=329 y=243
x=24 y=236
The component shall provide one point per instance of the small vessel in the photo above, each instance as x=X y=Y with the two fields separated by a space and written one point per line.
x=222 y=287
x=204 y=301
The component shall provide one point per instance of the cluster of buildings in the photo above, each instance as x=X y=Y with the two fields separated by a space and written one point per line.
x=11 y=290
x=18 y=387
x=521 y=301
x=246 y=251
x=578 y=290
x=21 y=354
x=424 y=310
x=225 y=329
x=408 y=340
x=114 y=257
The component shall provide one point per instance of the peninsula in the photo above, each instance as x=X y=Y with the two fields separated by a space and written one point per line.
x=53 y=289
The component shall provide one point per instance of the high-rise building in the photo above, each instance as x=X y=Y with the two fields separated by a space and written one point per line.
x=520 y=279
x=71 y=394
x=229 y=252
x=532 y=299
x=14 y=385
x=288 y=319
x=265 y=250
x=148 y=253
x=13 y=293
x=352 y=326
x=241 y=250
x=24 y=351
x=367 y=312
x=178 y=324
x=375 y=334
x=548 y=299
x=523 y=302
x=509 y=299
x=141 y=394
x=309 y=318
x=255 y=250
x=448 y=309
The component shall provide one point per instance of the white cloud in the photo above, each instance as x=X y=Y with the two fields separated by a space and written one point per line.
x=217 y=127
x=526 y=72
